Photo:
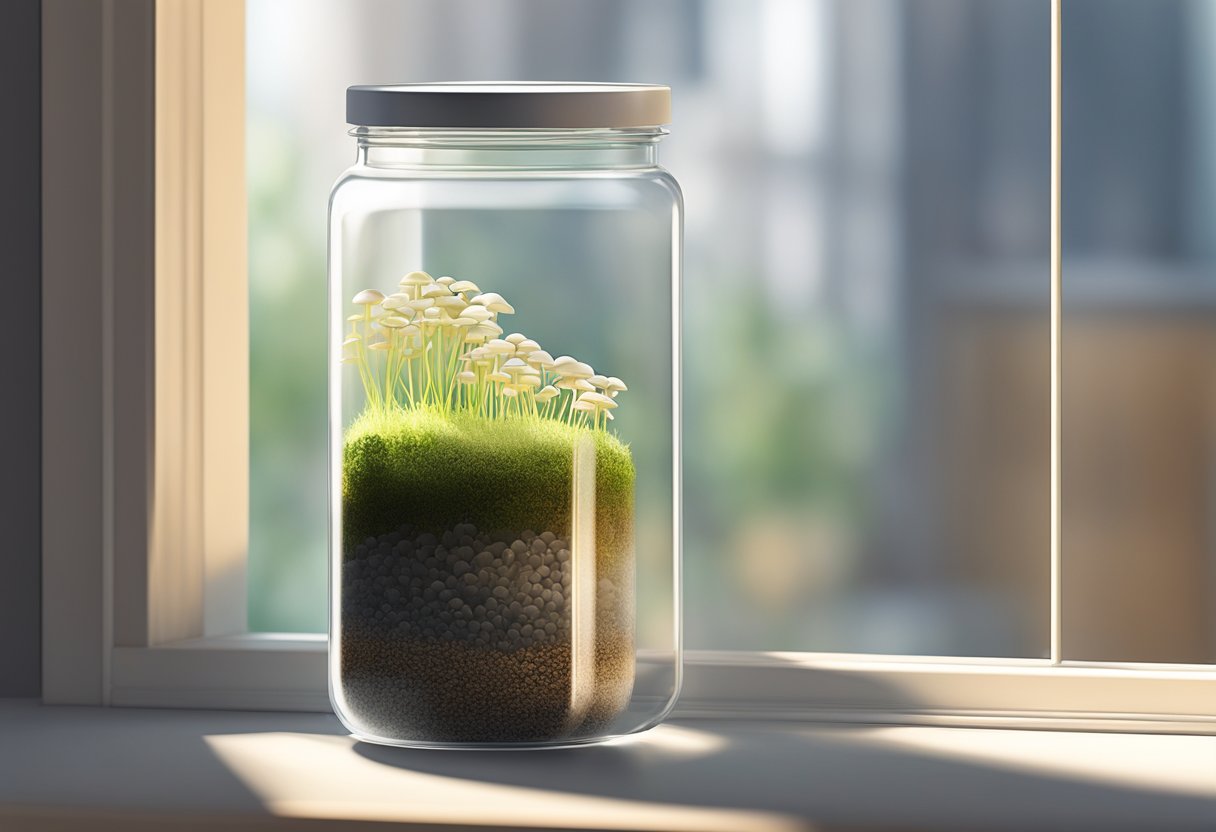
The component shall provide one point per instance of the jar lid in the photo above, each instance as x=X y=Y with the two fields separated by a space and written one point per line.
x=534 y=104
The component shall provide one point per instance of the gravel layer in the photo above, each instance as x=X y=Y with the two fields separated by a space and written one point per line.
x=465 y=637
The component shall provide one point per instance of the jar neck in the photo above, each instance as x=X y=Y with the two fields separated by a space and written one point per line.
x=583 y=149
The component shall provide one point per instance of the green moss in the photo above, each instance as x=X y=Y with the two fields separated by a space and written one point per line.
x=432 y=470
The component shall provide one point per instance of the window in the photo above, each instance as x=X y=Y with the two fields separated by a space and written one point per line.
x=868 y=450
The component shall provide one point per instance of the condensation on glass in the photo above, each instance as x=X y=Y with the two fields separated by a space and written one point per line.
x=504 y=541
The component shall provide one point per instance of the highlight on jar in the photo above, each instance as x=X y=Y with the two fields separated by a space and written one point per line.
x=487 y=527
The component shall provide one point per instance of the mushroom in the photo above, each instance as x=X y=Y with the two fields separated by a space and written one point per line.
x=379 y=346
x=477 y=313
x=368 y=298
x=494 y=302
x=445 y=280
x=599 y=381
x=396 y=300
x=464 y=286
x=526 y=346
x=393 y=322
x=500 y=377
x=516 y=338
x=500 y=347
x=568 y=367
x=545 y=393
x=466 y=377
x=435 y=290
x=538 y=358
x=615 y=385
x=452 y=304
x=416 y=279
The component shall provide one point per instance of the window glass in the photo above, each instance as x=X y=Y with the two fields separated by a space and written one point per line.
x=865 y=309
x=1139 y=235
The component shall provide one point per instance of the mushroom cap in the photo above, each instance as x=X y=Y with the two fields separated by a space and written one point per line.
x=584 y=406
x=547 y=392
x=571 y=368
x=516 y=338
x=351 y=341
x=509 y=391
x=354 y=319
x=615 y=385
x=445 y=280
x=463 y=286
x=466 y=377
x=539 y=358
x=395 y=301
x=461 y=321
x=393 y=321
x=478 y=313
x=527 y=345
x=368 y=297
x=422 y=303
x=500 y=347
x=599 y=400
x=379 y=346
x=514 y=366
x=529 y=381
x=416 y=279
x=431 y=313
x=599 y=380
x=478 y=333
x=494 y=302
x=499 y=377
x=435 y=290
x=450 y=302
x=494 y=327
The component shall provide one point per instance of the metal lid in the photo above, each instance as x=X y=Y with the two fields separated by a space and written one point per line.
x=533 y=104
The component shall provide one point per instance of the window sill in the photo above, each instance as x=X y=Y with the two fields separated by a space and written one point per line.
x=66 y=768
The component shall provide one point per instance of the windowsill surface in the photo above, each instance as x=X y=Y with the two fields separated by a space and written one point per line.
x=67 y=768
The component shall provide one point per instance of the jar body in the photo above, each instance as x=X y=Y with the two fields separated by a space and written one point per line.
x=503 y=434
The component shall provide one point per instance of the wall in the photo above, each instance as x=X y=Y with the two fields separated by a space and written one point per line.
x=20 y=342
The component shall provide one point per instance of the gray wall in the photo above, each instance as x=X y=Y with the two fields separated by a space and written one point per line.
x=20 y=338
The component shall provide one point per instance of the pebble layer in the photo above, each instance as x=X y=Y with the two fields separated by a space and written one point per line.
x=465 y=637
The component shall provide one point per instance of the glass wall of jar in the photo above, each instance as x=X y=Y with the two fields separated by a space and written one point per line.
x=504 y=277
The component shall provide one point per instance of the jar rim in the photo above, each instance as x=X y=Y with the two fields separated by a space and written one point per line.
x=477 y=105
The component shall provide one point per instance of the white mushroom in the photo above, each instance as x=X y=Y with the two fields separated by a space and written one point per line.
x=615 y=385
x=526 y=346
x=539 y=358
x=516 y=338
x=416 y=279
x=545 y=393
x=435 y=290
x=478 y=313
x=396 y=300
x=500 y=347
x=368 y=298
x=466 y=377
x=393 y=322
x=494 y=302
x=445 y=280
x=464 y=286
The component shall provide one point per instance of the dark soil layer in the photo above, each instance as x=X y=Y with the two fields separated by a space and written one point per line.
x=433 y=691
x=467 y=638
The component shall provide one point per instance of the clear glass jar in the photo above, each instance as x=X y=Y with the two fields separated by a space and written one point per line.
x=504 y=293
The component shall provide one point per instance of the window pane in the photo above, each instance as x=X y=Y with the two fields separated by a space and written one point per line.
x=1140 y=299
x=865 y=299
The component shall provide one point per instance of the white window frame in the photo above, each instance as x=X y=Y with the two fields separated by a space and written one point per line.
x=145 y=449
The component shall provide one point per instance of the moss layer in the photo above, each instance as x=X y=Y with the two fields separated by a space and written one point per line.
x=432 y=471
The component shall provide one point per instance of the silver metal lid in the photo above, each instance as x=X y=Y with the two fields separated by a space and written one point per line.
x=531 y=104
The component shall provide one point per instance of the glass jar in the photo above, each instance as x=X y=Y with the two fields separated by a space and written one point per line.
x=504 y=265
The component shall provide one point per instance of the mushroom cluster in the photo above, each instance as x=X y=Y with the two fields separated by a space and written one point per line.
x=437 y=344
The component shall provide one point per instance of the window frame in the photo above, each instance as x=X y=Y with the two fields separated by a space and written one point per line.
x=145 y=408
